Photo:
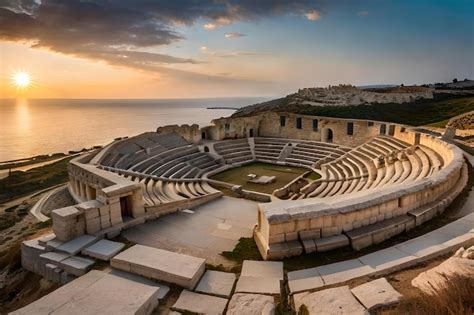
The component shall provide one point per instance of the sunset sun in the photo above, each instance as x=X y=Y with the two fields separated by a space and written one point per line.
x=21 y=79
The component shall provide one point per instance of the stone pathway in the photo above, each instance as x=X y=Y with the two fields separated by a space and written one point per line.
x=438 y=242
x=261 y=277
x=95 y=292
x=342 y=300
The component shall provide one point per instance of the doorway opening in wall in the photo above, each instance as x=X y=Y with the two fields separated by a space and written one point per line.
x=251 y=133
x=125 y=207
x=329 y=136
x=203 y=135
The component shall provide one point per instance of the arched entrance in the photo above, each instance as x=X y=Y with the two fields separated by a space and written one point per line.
x=383 y=129
x=203 y=135
x=329 y=135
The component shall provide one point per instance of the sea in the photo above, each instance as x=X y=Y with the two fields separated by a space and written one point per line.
x=30 y=127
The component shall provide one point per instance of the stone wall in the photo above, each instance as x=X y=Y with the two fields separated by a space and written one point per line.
x=103 y=200
x=191 y=133
x=269 y=125
x=282 y=223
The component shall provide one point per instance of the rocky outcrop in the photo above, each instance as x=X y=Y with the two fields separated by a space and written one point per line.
x=461 y=264
x=463 y=122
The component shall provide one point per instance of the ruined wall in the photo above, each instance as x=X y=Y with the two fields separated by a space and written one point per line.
x=191 y=133
x=282 y=225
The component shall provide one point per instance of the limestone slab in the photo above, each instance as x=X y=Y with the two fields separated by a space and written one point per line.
x=103 y=249
x=75 y=246
x=161 y=265
x=389 y=258
x=262 y=269
x=251 y=304
x=199 y=303
x=343 y=271
x=164 y=289
x=336 y=301
x=304 y=280
x=377 y=293
x=77 y=266
x=216 y=283
x=425 y=245
x=258 y=285
x=54 y=257
x=260 y=277
x=93 y=293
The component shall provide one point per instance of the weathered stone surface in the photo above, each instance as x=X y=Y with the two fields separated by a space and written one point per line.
x=260 y=277
x=251 y=304
x=77 y=244
x=77 y=266
x=103 y=249
x=327 y=243
x=216 y=283
x=262 y=269
x=461 y=264
x=304 y=280
x=377 y=293
x=161 y=265
x=258 y=285
x=330 y=302
x=343 y=271
x=199 y=303
x=94 y=293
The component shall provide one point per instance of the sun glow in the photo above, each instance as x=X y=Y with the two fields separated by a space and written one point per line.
x=21 y=79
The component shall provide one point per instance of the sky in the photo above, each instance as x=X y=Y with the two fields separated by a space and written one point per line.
x=227 y=48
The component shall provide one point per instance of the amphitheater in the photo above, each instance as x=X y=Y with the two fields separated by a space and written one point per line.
x=375 y=180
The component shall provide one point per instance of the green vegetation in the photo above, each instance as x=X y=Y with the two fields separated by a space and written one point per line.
x=245 y=249
x=313 y=176
x=22 y=183
x=238 y=176
x=416 y=113
x=33 y=160
x=439 y=124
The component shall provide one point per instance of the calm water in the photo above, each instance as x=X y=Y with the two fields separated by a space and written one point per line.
x=32 y=127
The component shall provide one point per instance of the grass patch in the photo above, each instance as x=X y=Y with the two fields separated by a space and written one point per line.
x=455 y=298
x=313 y=176
x=417 y=113
x=238 y=176
x=439 y=124
x=246 y=249
x=22 y=183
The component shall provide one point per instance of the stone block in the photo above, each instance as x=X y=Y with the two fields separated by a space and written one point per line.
x=376 y=294
x=95 y=292
x=293 y=236
x=216 y=283
x=251 y=304
x=77 y=244
x=309 y=246
x=331 y=301
x=199 y=303
x=76 y=266
x=161 y=265
x=310 y=234
x=332 y=242
x=103 y=249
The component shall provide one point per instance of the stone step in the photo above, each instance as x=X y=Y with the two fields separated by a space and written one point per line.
x=161 y=265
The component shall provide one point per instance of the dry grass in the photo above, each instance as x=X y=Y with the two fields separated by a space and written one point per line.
x=455 y=298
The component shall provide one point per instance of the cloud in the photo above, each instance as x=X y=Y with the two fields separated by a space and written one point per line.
x=363 y=13
x=234 y=35
x=124 y=32
x=312 y=15
x=225 y=53
x=209 y=26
